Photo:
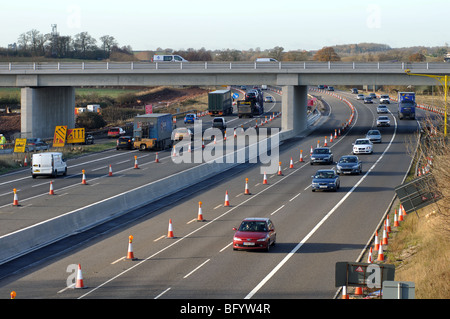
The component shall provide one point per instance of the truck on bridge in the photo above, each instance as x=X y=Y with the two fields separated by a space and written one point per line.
x=219 y=103
x=406 y=105
x=153 y=131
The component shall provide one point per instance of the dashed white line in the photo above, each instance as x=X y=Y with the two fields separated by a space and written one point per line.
x=196 y=268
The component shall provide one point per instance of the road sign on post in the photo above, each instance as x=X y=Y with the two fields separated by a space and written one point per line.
x=59 y=139
x=363 y=274
x=19 y=145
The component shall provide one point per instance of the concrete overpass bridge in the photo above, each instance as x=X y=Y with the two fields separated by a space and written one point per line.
x=48 y=89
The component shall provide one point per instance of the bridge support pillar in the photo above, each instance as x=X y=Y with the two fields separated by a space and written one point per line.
x=43 y=108
x=294 y=110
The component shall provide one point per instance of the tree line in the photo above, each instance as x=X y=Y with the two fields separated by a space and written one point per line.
x=33 y=43
x=84 y=46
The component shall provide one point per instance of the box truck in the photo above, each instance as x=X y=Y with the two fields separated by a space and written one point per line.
x=153 y=131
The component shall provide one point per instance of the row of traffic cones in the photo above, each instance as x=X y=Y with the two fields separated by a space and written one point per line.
x=379 y=245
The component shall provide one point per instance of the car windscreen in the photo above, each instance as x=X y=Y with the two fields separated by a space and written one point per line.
x=257 y=226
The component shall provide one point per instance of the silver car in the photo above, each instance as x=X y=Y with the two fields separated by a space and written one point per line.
x=374 y=136
x=349 y=164
x=382 y=109
x=383 y=121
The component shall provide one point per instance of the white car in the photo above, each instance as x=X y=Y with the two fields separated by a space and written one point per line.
x=362 y=146
x=268 y=99
x=384 y=98
x=360 y=97
x=383 y=121
x=382 y=109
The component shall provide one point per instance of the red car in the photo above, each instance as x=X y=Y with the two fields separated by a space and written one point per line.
x=255 y=233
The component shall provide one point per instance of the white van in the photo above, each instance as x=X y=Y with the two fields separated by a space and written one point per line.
x=266 y=60
x=168 y=58
x=50 y=164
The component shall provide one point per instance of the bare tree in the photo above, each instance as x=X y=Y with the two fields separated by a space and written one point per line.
x=108 y=42
x=82 y=43
x=326 y=54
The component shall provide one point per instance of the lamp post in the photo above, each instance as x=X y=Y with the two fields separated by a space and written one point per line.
x=443 y=80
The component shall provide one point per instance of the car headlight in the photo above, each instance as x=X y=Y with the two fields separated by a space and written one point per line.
x=237 y=239
x=263 y=239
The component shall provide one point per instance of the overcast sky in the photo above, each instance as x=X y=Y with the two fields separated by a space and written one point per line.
x=232 y=24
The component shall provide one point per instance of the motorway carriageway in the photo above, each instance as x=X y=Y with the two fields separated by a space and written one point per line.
x=314 y=229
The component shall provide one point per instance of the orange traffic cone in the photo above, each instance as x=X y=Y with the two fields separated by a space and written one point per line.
x=156 y=158
x=279 y=169
x=396 y=224
x=291 y=164
x=331 y=138
x=135 y=162
x=325 y=143
x=83 y=179
x=170 y=231
x=344 y=292
x=377 y=243
x=318 y=143
x=227 y=200
x=110 y=171
x=225 y=136
x=79 y=284
x=234 y=133
x=25 y=162
x=369 y=258
x=203 y=143
x=385 y=238
x=200 y=214
x=265 y=178
x=310 y=153
x=130 y=254
x=358 y=291
x=247 y=191
x=16 y=199
x=388 y=224
x=51 y=192
x=174 y=153
x=335 y=134
x=301 y=155
x=380 y=253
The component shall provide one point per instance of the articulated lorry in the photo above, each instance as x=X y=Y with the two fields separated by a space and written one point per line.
x=406 y=105
x=153 y=131
x=219 y=103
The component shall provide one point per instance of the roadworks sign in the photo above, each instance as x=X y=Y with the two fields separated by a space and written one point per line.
x=59 y=139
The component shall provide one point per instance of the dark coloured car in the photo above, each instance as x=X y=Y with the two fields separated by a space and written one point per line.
x=325 y=179
x=190 y=118
x=368 y=100
x=349 y=164
x=89 y=139
x=124 y=142
x=254 y=233
x=322 y=155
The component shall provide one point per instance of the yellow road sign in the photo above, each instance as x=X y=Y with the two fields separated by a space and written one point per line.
x=59 y=138
x=75 y=135
x=19 y=145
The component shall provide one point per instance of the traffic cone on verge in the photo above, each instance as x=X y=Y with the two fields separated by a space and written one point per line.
x=16 y=199
x=227 y=200
x=369 y=258
x=358 y=291
x=291 y=164
x=130 y=254
x=51 y=192
x=380 y=253
x=83 y=179
x=79 y=284
x=265 y=179
x=156 y=158
x=135 y=162
x=200 y=214
x=385 y=239
x=110 y=171
x=377 y=243
x=396 y=224
x=247 y=191
x=388 y=224
x=344 y=292
x=170 y=231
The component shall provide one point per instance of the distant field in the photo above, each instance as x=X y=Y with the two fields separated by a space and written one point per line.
x=111 y=92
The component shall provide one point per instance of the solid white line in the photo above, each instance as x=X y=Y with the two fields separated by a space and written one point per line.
x=300 y=244
x=196 y=269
